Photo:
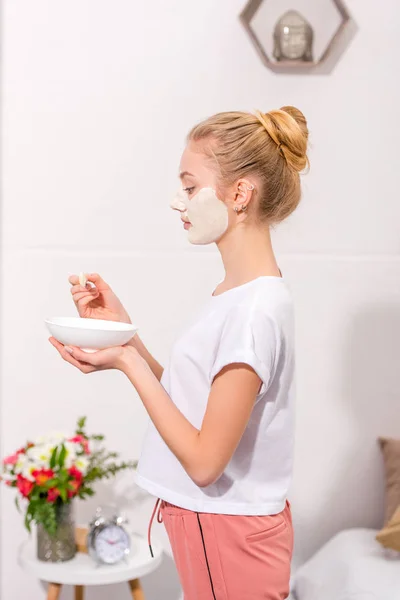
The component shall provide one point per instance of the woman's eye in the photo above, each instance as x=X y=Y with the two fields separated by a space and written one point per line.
x=188 y=190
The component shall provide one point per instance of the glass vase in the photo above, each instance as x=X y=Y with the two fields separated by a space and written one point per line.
x=61 y=546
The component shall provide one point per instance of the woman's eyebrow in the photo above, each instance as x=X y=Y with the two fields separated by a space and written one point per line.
x=185 y=174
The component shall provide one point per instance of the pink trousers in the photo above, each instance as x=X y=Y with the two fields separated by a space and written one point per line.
x=230 y=557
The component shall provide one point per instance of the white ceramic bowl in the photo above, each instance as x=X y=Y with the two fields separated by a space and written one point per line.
x=90 y=334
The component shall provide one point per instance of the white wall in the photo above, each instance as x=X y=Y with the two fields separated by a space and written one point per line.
x=97 y=99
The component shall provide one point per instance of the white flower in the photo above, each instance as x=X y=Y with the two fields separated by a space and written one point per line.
x=42 y=439
x=58 y=436
x=25 y=467
x=27 y=470
x=82 y=463
x=20 y=464
x=7 y=468
x=55 y=438
x=40 y=455
x=70 y=456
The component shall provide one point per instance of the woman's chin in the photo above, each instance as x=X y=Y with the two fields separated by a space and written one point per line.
x=201 y=240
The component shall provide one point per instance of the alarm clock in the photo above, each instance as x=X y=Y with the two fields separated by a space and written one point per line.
x=107 y=541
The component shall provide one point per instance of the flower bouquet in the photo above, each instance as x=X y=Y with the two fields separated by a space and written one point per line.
x=49 y=473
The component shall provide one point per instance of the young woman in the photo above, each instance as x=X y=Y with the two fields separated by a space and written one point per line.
x=218 y=451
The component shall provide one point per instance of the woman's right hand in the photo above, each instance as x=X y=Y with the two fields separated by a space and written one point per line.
x=98 y=302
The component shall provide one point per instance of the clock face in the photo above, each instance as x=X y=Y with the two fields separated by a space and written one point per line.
x=111 y=544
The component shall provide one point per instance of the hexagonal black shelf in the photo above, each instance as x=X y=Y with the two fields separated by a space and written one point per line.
x=329 y=55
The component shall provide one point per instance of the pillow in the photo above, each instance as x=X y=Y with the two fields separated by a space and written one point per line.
x=389 y=536
x=391 y=457
x=351 y=566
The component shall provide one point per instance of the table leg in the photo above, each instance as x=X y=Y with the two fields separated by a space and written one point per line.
x=79 y=592
x=136 y=589
x=53 y=591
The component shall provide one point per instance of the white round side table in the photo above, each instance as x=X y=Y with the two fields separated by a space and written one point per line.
x=82 y=570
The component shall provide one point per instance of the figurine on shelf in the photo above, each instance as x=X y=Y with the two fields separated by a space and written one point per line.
x=293 y=38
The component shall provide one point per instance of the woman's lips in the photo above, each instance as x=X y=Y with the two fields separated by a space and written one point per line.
x=187 y=224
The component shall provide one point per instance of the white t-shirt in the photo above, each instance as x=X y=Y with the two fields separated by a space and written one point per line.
x=252 y=324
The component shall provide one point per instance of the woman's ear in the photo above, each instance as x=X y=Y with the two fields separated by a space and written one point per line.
x=244 y=191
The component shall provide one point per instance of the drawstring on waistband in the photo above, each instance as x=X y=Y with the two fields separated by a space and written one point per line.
x=159 y=520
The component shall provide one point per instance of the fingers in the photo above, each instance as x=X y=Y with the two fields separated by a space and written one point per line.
x=84 y=368
x=78 y=293
x=98 y=281
x=78 y=288
x=83 y=296
x=82 y=300
x=92 y=277
x=56 y=343
x=91 y=358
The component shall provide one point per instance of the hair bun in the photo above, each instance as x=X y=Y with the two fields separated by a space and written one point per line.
x=288 y=128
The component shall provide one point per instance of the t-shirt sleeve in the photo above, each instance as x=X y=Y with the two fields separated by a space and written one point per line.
x=247 y=336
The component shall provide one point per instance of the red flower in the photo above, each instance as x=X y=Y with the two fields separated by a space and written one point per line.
x=13 y=458
x=10 y=460
x=80 y=439
x=24 y=485
x=53 y=494
x=42 y=476
x=75 y=484
x=75 y=474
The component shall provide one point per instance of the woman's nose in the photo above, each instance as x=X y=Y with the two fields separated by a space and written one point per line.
x=178 y=202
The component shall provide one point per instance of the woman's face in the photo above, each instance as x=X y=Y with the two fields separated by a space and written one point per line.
x=205 y=215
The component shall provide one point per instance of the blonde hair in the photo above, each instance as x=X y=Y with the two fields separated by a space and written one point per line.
x=271 y=146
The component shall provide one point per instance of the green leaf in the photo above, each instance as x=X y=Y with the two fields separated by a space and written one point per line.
x=50 y=483
x=17 y=504
x=62 y=456
x=63 y=475
x=53 y=458
x=45 y=513
x=81 y=422
x=28 y=516
x=80 y=426
x=63 y=494
x=87 y=491
x=35 y=495
x=28 y=522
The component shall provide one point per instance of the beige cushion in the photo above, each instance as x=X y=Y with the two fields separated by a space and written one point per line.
x=389 y=536
x=391 y=456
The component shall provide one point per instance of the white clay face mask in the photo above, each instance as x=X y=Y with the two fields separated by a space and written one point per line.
x=207 y=214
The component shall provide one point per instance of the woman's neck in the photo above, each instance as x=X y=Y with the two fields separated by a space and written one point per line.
x=246 y=254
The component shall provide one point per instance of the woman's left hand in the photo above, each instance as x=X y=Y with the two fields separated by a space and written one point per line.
x=102 y=360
